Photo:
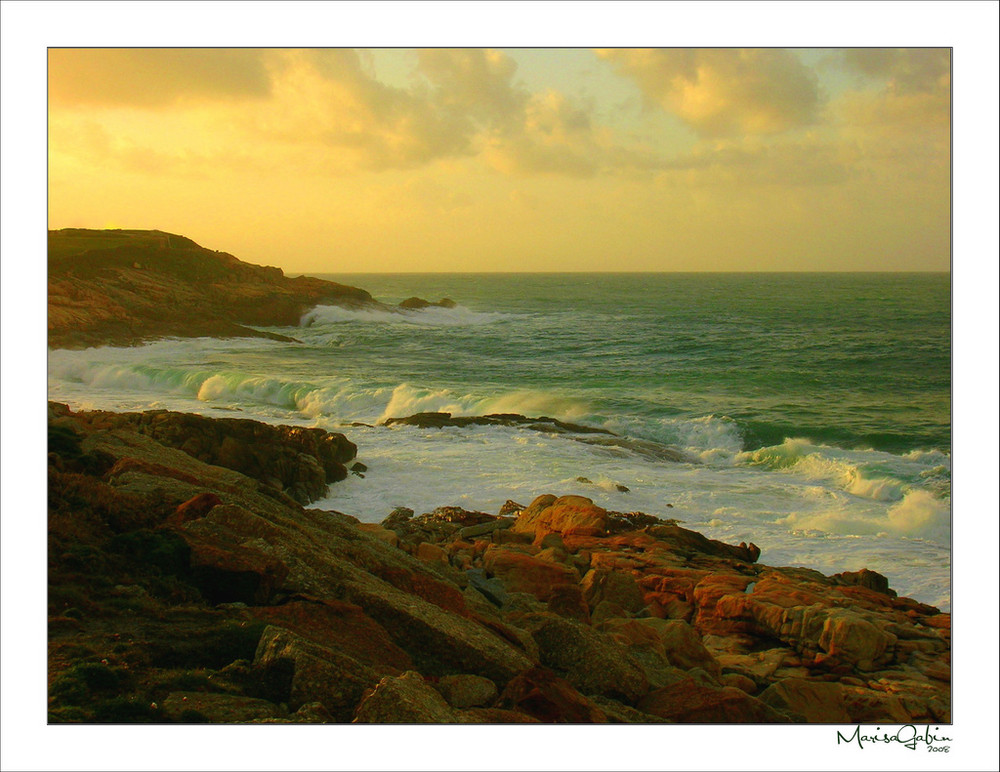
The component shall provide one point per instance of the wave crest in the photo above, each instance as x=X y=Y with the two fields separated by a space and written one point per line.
x=434 y=316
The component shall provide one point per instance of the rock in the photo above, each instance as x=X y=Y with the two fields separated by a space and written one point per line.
x=314 y=673
x=521 y=572
x=383 y=534
x=552 y=700
x=811 y=701
x=567 y=601
x=607 y=610
x=491 y=588
x=194 y=508
x=692 y=542
x=484 y=528
x=341 y=626
x=848 y=638
x=683 y=646
x=418 y=304
x=569 y=515
x=590 y=661
x=691 y=702
x=118 y=287
x=227 y=572
x=467 y=691
x=431 y=553
x=739 y=681
x=398 y=517
x=302 y=461
x=405 y=699
x=197 y=707
x=510 y=508
x=617 y=587
x=865 y=578
x=312 y=713
x=617 y=713
x=440 y=641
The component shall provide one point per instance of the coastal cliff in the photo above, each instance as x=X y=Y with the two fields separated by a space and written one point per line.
x=123 y=287
x=190 y=582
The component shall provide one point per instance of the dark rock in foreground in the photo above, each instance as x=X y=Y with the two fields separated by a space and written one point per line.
x=184 y=589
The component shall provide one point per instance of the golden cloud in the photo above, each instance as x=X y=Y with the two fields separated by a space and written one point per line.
x=724 y=92
x=155 y=77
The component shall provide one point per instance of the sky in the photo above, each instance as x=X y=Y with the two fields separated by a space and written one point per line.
x=512 y=159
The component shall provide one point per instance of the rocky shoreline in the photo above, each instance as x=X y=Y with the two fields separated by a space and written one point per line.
x=189 y=582
x=127 y=287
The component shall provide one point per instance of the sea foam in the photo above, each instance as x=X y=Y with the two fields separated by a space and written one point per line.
x=432 y=316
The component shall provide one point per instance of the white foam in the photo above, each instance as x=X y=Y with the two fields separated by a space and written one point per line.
x=433 y=316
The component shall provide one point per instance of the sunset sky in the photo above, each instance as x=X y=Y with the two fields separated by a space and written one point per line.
x=536 y=159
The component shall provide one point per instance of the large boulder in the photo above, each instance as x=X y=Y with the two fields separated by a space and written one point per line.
x=406 y=699
x=314 y=673
x=816 y=702
x=541 y=694
x=592 y=662
x=521 y=572
x=467 y=691
x=693 y=702
x=568 y=515
x=616 y=587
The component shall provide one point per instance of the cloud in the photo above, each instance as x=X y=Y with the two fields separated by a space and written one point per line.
x=478 y=83
x=903 y=70
x=155 y=77
x=724 y=92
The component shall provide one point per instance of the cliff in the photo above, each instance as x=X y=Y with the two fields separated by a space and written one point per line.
x=190 y=583
x=123 y=287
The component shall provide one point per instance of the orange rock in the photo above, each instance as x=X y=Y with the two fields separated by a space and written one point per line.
x=615 y=586
x=431 y=553
x=521 y=572
x=567 y=515
x=849 y=638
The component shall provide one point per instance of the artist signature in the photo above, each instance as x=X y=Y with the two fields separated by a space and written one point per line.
x=908 y=736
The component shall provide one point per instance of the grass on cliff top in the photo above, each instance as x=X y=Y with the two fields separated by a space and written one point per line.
x=75 y=241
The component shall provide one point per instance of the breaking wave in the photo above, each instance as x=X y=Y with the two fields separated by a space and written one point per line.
x=433 y=316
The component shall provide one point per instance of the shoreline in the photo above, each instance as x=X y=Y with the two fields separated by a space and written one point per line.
x=599 y=615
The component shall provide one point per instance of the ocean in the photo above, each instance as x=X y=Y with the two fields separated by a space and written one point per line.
x=811 y=412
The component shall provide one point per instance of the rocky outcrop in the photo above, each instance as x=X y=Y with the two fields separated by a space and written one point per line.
x=122 y=287
x=418 y=304
x=187 y=584
x=543 y=423
x=298 y=461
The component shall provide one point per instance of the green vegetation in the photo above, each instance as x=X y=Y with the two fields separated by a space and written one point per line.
x=75 y=241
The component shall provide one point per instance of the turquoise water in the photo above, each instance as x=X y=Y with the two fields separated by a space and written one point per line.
x=853 y=360
x=812 y=411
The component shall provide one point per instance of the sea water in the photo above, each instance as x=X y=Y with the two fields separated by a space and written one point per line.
x=812 y=412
